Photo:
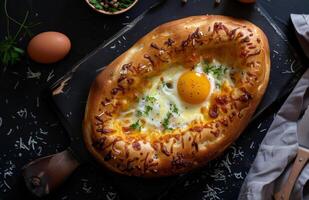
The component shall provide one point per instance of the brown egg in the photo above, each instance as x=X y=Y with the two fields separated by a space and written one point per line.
x=49 y=47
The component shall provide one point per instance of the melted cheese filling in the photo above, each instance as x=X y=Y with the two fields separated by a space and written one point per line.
x=160 y=107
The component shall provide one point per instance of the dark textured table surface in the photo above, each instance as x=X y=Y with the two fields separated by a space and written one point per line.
x=29 y=128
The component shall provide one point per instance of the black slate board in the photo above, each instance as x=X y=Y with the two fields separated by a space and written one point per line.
x=221 y=178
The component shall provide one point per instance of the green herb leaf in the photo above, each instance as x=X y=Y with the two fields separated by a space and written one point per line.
x=217 y=71
x=148 y=109
x=96 y=4
x=174 y=108
x=150 y=99
x=9 y=52
x=136 y=125
x=206 y=67
x=166 y=121
x=139 y=113
x=18 y=50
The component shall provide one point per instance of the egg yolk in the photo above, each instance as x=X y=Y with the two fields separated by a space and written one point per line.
x=193 y=87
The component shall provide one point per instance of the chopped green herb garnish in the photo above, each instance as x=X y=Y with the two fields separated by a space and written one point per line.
x=148 y=109
x=96 y=4
x=111 y=5
x=139 y=113
x=174 y=108
x=166 y=121
x=136 y=125
x=150 y=99
x=217 y=71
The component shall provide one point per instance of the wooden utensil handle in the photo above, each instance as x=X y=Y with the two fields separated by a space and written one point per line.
x=45 y=174
x=299 y=163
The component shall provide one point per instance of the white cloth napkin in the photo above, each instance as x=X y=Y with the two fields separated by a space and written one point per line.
x=272 y=164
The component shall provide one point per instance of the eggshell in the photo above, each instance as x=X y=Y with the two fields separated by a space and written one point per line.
x=49 y=47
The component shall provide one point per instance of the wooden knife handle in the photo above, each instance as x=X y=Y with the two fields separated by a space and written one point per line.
x=299 y=163
x=45 y=174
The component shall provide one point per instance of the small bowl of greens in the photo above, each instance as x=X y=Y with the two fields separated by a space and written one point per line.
x=111 y=7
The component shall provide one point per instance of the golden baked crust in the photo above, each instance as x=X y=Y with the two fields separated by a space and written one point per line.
x=236 y=42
